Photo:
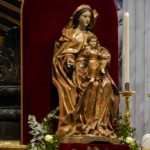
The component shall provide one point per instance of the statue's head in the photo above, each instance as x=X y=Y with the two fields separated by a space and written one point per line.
x=80 y=10
x=92 y=41
x=83 y=10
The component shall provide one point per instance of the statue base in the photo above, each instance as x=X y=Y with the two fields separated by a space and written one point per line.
x=87 y=139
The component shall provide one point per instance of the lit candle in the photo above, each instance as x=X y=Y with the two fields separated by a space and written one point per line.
x=126 y=46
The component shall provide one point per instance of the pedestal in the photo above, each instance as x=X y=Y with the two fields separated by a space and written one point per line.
x=89 y=146
x=88 y=139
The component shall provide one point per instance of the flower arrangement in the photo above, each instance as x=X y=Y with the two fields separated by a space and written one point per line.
x=126 y=134
x=45 y=139
x=43 y=134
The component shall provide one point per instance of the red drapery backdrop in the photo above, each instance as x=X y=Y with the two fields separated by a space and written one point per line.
x=77 y=146
x=42 y=22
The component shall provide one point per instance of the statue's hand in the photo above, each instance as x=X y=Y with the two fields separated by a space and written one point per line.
x=70 y=63
x=92 y=80
x=105 y=55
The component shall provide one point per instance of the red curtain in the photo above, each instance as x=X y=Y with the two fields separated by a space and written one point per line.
x=41 y=27
x=77 y=146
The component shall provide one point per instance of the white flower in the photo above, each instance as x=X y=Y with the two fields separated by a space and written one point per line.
x=48 y=138
x=130 y=140
x=121 y=138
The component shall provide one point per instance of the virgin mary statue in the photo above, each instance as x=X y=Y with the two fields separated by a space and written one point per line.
x=88 y=97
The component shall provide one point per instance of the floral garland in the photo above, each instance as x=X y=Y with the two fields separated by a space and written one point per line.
x=126 y=134
x=45 y=139
x=43 y=134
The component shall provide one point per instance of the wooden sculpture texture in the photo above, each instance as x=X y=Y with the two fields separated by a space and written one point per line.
x=88 y=97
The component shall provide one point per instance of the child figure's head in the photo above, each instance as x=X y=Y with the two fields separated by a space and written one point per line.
x=92 y=42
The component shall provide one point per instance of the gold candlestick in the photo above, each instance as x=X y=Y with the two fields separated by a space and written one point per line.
x=148 y=95
x=127 y=94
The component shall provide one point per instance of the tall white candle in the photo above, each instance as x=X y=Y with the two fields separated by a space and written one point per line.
x=126 y=45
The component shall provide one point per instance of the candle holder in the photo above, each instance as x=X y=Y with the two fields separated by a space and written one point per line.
x=127 y=94
x=148 y=95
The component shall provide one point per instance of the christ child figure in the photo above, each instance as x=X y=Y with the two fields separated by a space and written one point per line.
x=97 y=57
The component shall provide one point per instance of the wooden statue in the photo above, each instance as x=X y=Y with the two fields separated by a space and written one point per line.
x=88 y=97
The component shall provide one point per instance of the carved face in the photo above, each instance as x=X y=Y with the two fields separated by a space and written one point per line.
x=93 y=42
x=84 y=19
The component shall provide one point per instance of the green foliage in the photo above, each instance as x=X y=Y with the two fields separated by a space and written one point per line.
x=125 y=130
x=126 y=134
x=43 y=138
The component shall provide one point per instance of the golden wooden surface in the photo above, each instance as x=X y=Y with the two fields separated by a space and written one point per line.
x=12 y=145
x=87 y=139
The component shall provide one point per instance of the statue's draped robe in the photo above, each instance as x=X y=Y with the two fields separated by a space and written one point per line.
x=85 y=107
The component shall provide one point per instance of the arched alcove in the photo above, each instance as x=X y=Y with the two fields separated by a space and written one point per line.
x=42 y=22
